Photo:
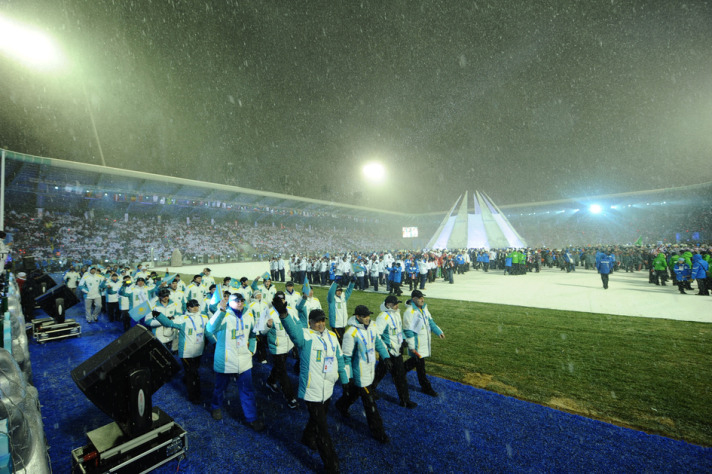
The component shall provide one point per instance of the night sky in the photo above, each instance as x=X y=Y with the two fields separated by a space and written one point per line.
x=527 y=101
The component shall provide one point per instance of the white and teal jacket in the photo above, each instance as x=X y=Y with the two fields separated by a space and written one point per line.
x=417 y=326
x=91 y=285
x=112 y=290
x=170 y=311
x=338 y=311
x=196 y=292
x=321 y=364
x=235 y=340
x=267 y=293
x=137 y=294
x=277 y=338
x=306 y=306
x=390 y=329
x=179 y=297
x=192 y=330
x=360 y=345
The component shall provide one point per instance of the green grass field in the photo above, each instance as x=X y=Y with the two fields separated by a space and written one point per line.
x=648 y=374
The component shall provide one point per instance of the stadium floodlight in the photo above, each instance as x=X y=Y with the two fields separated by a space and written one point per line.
x=374 y=171
x=595 y=209
x=27 y=45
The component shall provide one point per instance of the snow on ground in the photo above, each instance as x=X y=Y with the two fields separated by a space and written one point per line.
x=628 y=294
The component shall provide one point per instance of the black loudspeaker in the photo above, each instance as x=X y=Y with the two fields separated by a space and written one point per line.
x=121 y=378
x=56 y=300
x=28 y=265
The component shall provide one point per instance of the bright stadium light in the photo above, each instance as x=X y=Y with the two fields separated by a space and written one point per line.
x=595 y=209
x=27 y=45
x=374 y=171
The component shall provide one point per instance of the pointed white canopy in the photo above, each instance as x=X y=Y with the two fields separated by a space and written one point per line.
x=482 y=226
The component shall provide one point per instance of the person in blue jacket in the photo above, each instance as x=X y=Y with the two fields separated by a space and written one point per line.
x=604 y=267
x=395 y=273
x=682 y=274
x=699 y=273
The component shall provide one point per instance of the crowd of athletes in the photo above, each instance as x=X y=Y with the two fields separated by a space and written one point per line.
x=244 y=320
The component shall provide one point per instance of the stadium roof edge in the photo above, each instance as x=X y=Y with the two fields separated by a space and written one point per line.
x=75 y=165
x=591 y=198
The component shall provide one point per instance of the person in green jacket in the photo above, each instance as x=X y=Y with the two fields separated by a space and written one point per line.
x=660 y=268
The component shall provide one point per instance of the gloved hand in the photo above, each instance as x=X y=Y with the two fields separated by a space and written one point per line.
x=279 y=304
x=388 y=364
x=155 y=313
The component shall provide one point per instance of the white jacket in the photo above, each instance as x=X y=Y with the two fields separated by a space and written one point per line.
x=417 y=327
x=170 y=311
x=236 y=341
x=390 y=329
x=360 y=345
x=321 y=361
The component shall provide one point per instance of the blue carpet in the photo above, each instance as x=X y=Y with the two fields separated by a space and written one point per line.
x=464 y=430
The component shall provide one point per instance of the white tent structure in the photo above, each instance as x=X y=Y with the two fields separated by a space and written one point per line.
x=475 y=224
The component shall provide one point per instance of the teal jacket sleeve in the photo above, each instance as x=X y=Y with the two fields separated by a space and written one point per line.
x=332 y=292
x=294 y=332
x=343 y=376
x=302 y=310
x=349 y=289
x=382 y=349
x=161 y=318
x=434 y=327
x=214 y=324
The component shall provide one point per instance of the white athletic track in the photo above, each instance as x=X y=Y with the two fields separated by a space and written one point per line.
x=628 y=294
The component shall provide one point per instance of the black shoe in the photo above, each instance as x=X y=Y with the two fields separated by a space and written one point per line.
x=408 y=404
x=217 y=414
x=430 y=391
x=343 y=410
x=272 y=386
x=309 y=443
x=292 y=404
x=257 y=425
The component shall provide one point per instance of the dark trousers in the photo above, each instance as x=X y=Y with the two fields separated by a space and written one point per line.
x=702 y=287
x=192 y=378
x=660 y=277
x=423 y=278
x=681 y=286
x=398 y=374
x=419 y=364
x=317 y=432
x=112 y=311
x=374 y=283
x=604 y=279
x=244 y=386
x=396 y=288
x=126 y=319
x=281 y=275
x=261 y=350
x=373 y=417
x=339 y=333
x=279 y=374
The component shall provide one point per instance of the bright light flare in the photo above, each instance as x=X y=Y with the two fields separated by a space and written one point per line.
x=595 y=209
x=27 y=45
x=374 y=171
